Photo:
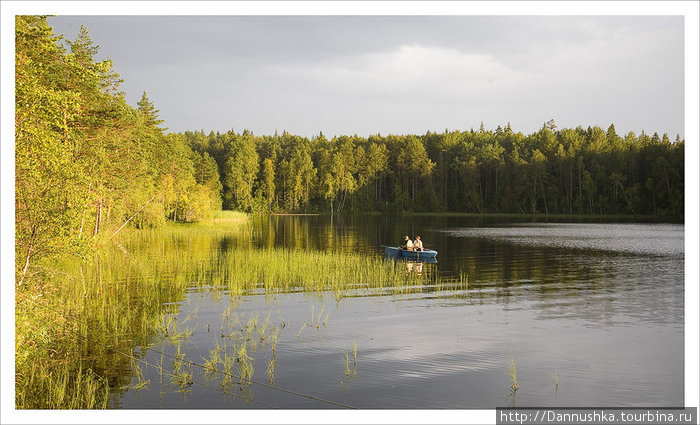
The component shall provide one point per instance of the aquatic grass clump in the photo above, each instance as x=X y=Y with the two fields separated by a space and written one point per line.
x=214 y=359
x=252 y=324
x=183 y=380
x=348 y=372
x=232 y=359
x=263 y=328
x=353 y=371
x=169 y=328
x=228 y=362
x=271 y=366
x=275 y=335
x=141 y=383
x=245 y=365
x=511 y=373
x=303 y=326
x=247 y=270
x=354 y=354
x=316 y=321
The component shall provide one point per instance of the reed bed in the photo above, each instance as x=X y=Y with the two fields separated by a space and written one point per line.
x=221 y=214
x=76 y=317
x=245 y=270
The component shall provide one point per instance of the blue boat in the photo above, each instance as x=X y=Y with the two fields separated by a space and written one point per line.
x=427 y=255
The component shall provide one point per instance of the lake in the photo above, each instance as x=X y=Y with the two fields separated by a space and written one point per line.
x=590 y=314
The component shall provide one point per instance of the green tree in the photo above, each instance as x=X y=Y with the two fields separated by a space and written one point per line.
x=413 y=165
x=149 y=112
x=267 y=184
x=240 y=172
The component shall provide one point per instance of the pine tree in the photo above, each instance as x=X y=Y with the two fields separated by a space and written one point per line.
x=149 y=111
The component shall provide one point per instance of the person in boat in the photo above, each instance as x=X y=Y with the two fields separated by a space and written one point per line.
x=418 y=244
x=407 y=244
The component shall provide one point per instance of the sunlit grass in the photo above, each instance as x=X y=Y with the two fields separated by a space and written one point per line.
x=512 y=375
x=348 y=372
x=282 y=270
x=75 y=318
x=271 y=366
x=228 y=214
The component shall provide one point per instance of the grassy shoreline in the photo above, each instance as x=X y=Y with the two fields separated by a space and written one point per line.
x=537 y=216
x=73 y=317
x=227 y=216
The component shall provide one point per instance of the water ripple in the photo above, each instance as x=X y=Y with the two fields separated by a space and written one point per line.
x=644 y=239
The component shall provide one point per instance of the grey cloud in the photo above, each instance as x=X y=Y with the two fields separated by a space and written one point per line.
x=340 y=74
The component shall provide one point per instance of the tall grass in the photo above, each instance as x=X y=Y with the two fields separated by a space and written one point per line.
x=228 y=214
x=246 y=270
x=76 y=317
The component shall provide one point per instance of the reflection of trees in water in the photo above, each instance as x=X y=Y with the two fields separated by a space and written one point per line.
x=337 y=233
x=588 y=285
x=123 y=296
x=564 y=282
x=354 y=233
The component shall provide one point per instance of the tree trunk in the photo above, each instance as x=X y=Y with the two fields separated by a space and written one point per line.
x=580 y=190
x=98 y=216
x=481 y=191
x=413 y=189
x=29 y=255
x=496 y=189
x=668 y=185
x=125 y=223
x=571 y=187
x=534 y=197
x=544 y=197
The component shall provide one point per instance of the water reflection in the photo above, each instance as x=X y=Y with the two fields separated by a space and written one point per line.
x=601 y=304
x=414 y=267
x=636 y=239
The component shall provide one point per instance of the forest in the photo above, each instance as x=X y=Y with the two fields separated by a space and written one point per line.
x=87 y=163
x=578 y=171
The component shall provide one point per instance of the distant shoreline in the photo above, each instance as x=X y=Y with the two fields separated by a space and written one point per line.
x=301 y=214
x=227 y=220
x=636 y=218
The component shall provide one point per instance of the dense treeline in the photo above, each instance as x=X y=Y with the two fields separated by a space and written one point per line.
x=86 y=162
x=552 y=171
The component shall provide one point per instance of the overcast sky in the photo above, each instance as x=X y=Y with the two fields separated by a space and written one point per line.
x=397 y=74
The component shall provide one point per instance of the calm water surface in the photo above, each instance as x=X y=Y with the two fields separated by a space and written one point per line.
x=596 y=307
